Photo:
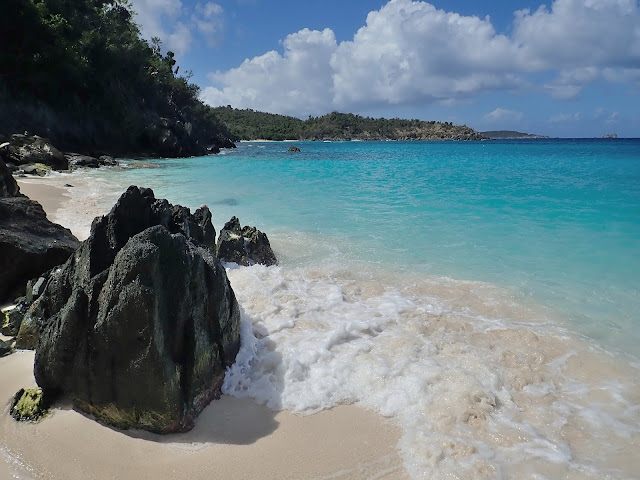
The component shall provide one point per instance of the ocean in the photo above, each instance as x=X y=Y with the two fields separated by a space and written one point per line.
x=484 y=296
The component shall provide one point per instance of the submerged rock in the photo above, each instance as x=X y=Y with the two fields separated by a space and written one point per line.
x=244 y=246
x=29 y=405
x=293 y=148
x=139 y=325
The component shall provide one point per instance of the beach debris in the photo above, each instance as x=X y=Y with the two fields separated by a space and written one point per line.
x=293 y=148
x=138 y=327
x=29 y=405
x=244 y=246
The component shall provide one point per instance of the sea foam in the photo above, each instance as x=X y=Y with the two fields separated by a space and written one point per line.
x=482 y=385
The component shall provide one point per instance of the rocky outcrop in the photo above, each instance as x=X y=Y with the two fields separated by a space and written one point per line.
x=139 y=325
x=77 y=160
x=13 y=319
x=32 y=149
x=29 y=243
x=293 y=149
x=244 y=246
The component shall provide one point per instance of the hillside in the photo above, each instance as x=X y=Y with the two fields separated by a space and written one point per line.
x=78 y=72
x=509 y=134
x=251 y=125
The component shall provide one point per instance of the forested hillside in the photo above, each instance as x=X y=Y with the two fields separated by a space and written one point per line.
x=78 y=72
x=251 y=125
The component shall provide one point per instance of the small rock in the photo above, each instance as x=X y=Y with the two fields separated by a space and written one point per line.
x=68 y=185
x=107 y=161
x=5 y=348
x=244 y=246
x=76 y=160
x=29 y=405
x=13 y=319
x=293 y=148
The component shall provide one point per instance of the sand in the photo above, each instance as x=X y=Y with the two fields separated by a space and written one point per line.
x=233 y=438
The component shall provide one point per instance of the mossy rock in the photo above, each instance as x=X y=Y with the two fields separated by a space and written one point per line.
x=29 y=405
x=39 y=169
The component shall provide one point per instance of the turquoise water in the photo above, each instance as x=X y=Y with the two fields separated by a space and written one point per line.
x=557 y=221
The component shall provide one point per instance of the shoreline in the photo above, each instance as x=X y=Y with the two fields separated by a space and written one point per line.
x=461 y=366
x=233 y=437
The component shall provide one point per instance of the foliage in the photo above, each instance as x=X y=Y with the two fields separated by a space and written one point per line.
x=84 y=60
x=251 y=125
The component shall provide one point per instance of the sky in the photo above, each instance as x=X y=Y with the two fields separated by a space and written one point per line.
x=567 y=68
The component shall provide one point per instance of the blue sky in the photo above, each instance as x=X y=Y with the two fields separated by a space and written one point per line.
x=568 y=68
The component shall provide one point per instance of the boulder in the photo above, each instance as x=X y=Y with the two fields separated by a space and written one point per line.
x=13 y=319
x=107 y=161
x=244 y=246
x=5 y=348
x=139 y=325
x=8 y=185
x=39 y=169
x=31 y=149
x=76 y=161
x=293 y=148
x=29 y=244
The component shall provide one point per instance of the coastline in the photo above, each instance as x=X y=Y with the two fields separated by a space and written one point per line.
x=479 y=381
x=233 y=437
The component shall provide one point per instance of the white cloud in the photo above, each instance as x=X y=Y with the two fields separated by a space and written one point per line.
x=175 y=24
x=297 y=82
x=409 y=52
x=500 y=114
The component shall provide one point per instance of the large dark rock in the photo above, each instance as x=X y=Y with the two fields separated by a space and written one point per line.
x=244 y=246
x=32 y=149
x=8 y=185
x=139 y=325
x=77 y=160
x=29 y=244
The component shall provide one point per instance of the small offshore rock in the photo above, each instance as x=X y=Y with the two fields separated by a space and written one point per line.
x=244 y=246
x=293 y=148
x=107 y=161
x=29 y=405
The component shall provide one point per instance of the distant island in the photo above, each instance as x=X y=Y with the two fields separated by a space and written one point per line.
x=509 y=135
x=248 y=124
x=610 y=135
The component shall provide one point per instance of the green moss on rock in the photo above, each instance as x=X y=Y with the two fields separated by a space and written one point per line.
x=29 y=405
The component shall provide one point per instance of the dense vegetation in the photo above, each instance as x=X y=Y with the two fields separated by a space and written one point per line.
x=78 y=72
x=251 y=125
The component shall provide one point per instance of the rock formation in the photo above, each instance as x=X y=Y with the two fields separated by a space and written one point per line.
x=32 y=149
x=244 y=246
x=138 y=326
x=293 y=149
x=29 y=243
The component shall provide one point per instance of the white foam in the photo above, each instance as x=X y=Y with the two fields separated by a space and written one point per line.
x=480 y=385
